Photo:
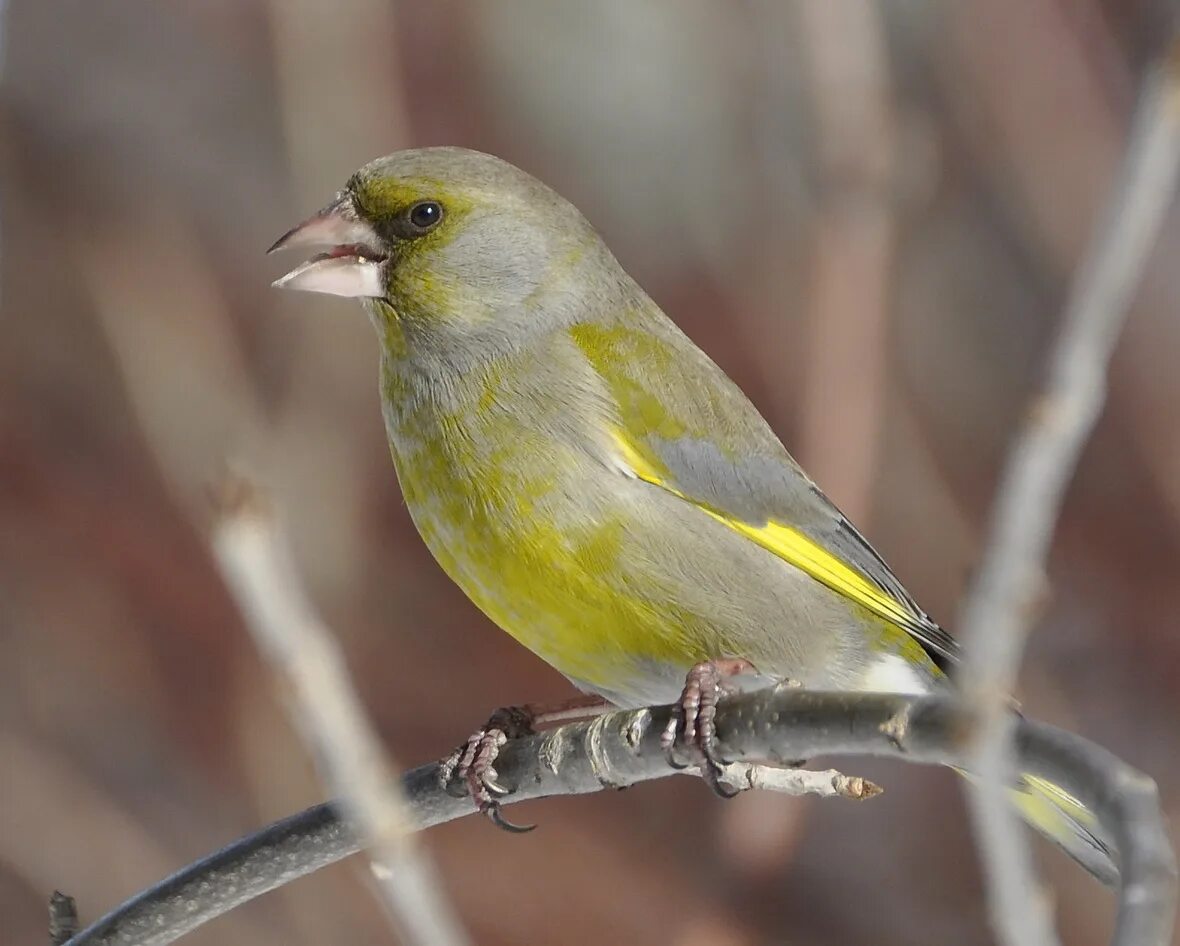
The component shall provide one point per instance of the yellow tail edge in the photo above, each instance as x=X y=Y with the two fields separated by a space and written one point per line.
x=1062 y=819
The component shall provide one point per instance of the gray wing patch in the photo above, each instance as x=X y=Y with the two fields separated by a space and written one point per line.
x=771 y=485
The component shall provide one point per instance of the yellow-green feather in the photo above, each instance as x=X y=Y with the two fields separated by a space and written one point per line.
x=643 y=414
x=483 y=515
x=412 y=274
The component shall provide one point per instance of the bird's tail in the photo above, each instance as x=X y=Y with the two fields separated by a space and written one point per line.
x=1065 y=821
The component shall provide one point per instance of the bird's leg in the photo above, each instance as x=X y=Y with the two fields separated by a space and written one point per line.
x=470 y=768
x=691 y=724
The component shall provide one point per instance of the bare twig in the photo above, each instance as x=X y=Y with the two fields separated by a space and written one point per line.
x=995 y=620
x=256 y=565
x=826 y=783
x=63 y=918
x=623 y=748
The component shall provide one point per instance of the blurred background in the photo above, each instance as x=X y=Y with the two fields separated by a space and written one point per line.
x=868 y=214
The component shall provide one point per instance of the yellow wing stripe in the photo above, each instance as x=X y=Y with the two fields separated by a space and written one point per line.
x=802 y=552
x=789 y=544
x=1059 y=800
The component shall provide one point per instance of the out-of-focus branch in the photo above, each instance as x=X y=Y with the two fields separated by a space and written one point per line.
x=342 y=101
x=3 y=15
x=623 y=748
x=996 y=617
x=257 y=567
x=844 y=50
x=348 y=109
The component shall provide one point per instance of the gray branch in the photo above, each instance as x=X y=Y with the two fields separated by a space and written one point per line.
x=622 y=749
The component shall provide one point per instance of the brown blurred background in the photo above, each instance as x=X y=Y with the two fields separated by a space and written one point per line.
x=868 y=214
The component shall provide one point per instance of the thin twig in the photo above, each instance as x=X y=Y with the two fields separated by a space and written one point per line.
x=256 y=565
x=826 y=783
x=995 y=619
x=623 y=748
x=63 y=918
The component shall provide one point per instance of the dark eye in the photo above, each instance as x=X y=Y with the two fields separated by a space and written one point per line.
x=425 y=216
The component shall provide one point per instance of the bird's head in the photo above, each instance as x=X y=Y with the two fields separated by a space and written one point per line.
x=440 y=235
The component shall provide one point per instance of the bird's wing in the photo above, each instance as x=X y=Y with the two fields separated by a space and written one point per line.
x=681 y=425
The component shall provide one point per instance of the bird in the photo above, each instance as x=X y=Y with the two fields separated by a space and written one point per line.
x=596 y=484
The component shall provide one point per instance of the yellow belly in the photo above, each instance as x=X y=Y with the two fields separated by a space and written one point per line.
x=509 y=525
x=541 y=582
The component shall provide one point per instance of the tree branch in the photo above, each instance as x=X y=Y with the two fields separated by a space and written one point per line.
x=623 y=748
x=996 y=618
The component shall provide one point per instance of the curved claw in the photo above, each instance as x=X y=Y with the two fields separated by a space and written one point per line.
x=496 y=816
x=495 y=787
x=468 y=773
x=711 y=774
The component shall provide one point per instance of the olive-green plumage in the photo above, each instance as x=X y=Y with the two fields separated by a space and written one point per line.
x=584 y=472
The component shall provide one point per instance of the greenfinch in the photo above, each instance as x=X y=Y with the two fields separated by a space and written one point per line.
x=592 y=481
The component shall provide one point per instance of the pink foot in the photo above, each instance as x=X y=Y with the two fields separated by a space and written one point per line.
x=691 y=724
x=470 y=769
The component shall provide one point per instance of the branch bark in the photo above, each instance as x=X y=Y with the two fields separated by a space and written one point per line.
x=623 y=748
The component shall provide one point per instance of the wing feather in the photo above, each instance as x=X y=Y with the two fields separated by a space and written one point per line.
x=697 y=436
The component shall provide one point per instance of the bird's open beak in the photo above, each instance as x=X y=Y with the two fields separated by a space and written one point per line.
x=351 y=264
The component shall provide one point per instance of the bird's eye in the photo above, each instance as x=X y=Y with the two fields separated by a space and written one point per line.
x=425 y=216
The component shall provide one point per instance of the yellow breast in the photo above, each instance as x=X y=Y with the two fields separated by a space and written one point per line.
x=501 y=502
